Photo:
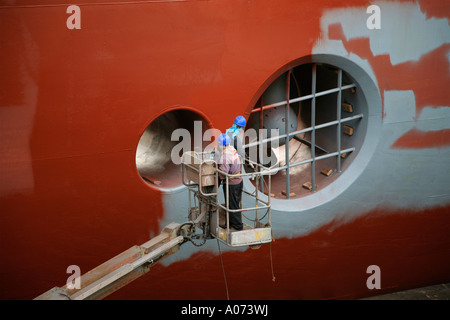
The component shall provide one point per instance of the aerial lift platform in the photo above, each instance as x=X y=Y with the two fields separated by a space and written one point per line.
x=200 y=174
x=206 y=214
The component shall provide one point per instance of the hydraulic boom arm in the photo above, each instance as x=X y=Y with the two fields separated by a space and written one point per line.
x=210 y=216
x=123 y=268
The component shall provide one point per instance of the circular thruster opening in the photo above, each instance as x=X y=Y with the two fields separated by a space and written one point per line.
x=330 y=109
x=157 y=154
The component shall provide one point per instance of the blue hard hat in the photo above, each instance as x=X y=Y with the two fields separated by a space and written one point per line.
x=224 y=140
x=240 y=121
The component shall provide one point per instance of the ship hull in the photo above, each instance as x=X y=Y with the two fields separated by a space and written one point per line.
x=75 y=103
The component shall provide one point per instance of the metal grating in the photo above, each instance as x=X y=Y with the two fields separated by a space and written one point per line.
x=313 y=128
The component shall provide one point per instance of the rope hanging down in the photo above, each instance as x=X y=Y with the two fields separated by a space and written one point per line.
x=223 y=269
x=271 y=262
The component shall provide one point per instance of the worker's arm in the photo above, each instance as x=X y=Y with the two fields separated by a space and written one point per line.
x=225 y=168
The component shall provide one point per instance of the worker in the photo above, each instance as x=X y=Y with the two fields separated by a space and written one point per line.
x=237 y=137
x=230 y=163
x=236 y=134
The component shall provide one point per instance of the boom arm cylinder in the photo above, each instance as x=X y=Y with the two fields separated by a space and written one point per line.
x=122 y=269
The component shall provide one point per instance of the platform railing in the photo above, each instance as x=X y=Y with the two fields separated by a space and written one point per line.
x=206 y=158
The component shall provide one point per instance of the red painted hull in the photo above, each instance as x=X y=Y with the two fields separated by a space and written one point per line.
x=74 y=103
x=331 y=263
